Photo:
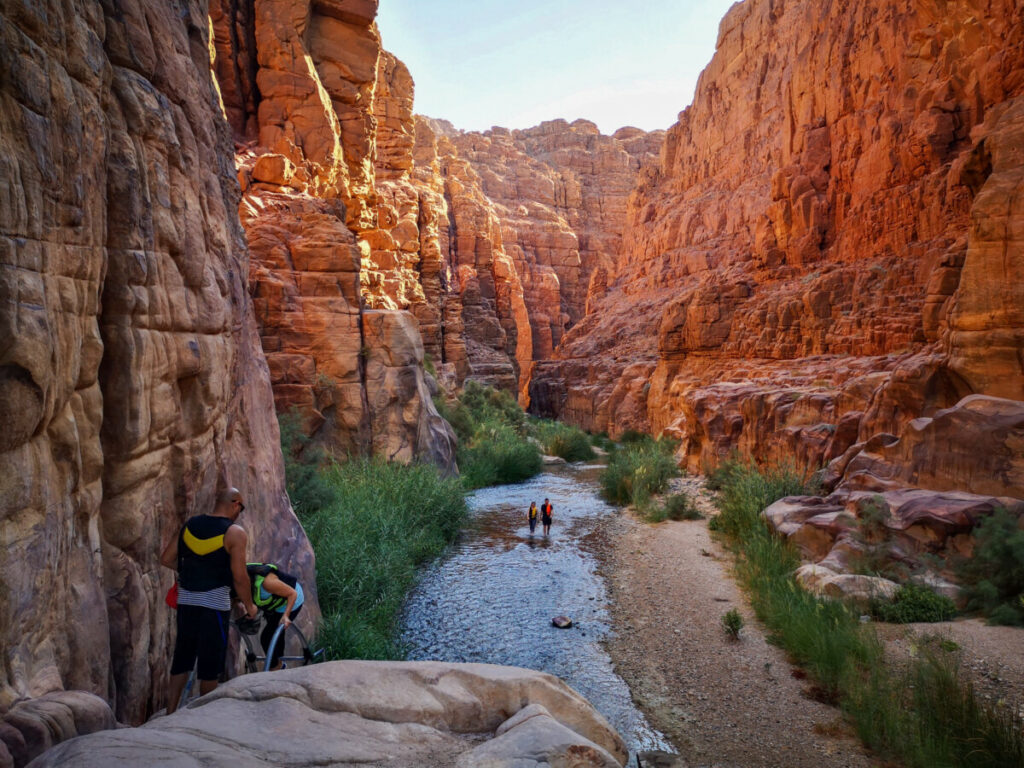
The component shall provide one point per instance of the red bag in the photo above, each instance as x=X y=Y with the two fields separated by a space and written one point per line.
x=171 y=598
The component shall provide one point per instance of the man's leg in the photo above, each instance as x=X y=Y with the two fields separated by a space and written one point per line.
x=213 y=645
x=185 y=644
x=174 y=690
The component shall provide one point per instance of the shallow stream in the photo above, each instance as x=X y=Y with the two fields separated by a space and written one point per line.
x=492 y=598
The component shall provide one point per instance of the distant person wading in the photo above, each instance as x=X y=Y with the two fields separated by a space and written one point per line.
x=545 y=516
x=209 y=555
x=532 y=516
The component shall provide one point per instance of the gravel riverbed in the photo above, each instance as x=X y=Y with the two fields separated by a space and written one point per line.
x=727 y=703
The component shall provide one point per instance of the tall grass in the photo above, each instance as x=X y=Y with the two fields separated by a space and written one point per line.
x=926 y=715
x=637 y=470
x=384 y=521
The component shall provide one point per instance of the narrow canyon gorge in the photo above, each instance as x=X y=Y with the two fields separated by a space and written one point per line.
x=215 y=212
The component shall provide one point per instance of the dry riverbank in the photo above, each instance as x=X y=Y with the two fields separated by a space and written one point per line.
x=722 y=703
x=725 y=703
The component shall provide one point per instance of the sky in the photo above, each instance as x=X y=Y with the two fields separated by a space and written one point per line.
x=516 y=63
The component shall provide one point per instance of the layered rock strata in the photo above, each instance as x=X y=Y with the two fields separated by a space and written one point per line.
x=351 y=713
x=300 y=84
x=829 y=247
x=132 y=385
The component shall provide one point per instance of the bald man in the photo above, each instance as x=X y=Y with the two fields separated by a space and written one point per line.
x=209 y=556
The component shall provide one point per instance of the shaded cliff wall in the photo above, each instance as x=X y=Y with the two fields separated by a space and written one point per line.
x=824 y=251
x=132 y=385
x=305 y=87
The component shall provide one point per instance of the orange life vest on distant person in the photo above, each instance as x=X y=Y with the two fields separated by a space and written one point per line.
x=546 y=509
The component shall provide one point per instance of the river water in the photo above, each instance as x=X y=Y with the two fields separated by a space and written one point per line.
x=491 y=599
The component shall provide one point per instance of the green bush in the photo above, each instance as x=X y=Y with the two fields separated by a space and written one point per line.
x=994 y=575
x=733 y=623
x=496 y=455
x=307 y=488
x=494 y=441
x=679 y=506
x=385 y=520
x=911 y=603
x=638 y=470
x=569 y=442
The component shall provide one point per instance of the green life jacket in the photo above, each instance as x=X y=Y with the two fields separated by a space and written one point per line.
x=258 y=572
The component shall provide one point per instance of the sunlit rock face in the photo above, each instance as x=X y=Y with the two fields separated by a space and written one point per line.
x=830 y=245
x=317 y=108
x=132 y=383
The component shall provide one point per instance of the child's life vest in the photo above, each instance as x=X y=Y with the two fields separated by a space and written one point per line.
x=258 y=572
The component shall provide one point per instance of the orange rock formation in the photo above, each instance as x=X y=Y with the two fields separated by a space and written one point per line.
x=488 y=240
x=827 y=249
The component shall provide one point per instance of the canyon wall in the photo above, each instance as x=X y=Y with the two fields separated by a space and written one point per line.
x=830 y=245
x=132 y=385
x=353 y=204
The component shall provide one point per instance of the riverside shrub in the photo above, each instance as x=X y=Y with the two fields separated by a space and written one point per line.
x=678 y=506
x=638 y=470
x=912 y=603
x=564 y=440
x=994 y=575
x=496 y=455
x=384 y=521
x=495 y=445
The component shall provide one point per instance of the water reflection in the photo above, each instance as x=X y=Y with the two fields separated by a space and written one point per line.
x=493 y=598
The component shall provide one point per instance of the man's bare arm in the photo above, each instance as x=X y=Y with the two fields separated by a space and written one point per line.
x=235 y=542
x=169 y=557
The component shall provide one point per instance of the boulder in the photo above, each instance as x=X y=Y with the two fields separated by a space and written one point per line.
x=350 y=713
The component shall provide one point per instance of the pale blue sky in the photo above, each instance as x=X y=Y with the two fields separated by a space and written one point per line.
x=516 y=63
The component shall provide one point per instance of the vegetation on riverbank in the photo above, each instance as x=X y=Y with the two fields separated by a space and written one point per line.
x=637 y=470
x=994 y=574
x=371 y=524
x=924 y=713
x=494 y=441
x=386 y=520
x=499 y=443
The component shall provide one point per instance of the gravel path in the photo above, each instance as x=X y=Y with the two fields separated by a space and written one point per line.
x=737 y=704
x=722 y=703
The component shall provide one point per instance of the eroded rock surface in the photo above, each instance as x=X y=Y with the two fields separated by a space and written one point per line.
x=900 y=504
x=132 y=385
x=830 y=245
x=350 y=713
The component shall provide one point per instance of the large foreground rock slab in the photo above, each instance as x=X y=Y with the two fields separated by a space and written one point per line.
x=350 y=713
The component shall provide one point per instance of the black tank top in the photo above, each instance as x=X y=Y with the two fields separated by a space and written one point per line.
x=203 y=563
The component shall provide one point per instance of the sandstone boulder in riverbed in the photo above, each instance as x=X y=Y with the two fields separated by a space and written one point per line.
x=348 y=713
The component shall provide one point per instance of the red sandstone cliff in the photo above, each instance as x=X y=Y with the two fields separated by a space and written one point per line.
x=306 y=87
x=828 y=248
x=488 y=240
x=132 y=385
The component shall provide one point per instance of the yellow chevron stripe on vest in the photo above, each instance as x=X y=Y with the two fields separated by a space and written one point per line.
x=202 y=546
